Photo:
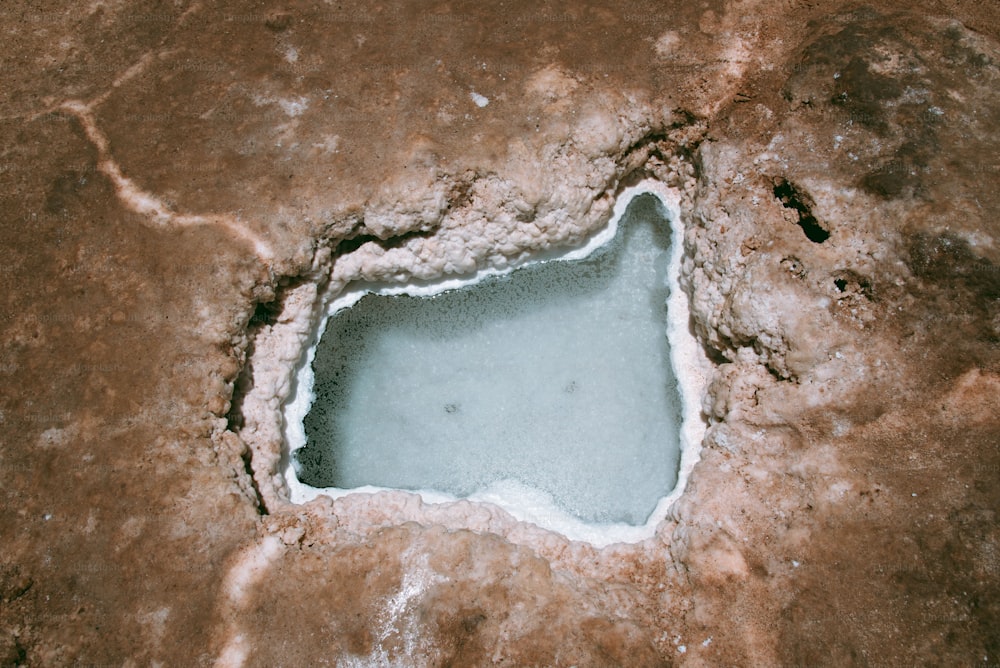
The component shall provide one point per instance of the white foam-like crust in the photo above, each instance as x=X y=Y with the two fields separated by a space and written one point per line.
x=523 y=503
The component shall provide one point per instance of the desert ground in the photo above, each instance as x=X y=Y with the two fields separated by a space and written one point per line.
x=183 y=181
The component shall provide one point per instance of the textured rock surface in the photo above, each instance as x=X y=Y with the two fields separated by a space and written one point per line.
x=177 y=181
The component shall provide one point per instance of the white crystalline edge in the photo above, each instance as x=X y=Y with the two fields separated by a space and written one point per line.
x=524 y=503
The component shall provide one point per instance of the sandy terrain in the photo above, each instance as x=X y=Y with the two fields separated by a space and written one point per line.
x=182 y=182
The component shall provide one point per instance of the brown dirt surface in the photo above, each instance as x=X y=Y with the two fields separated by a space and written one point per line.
x=176 y=179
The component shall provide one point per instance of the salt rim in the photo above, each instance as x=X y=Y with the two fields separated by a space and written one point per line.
x=526 y=504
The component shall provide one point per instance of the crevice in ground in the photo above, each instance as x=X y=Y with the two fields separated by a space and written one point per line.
x=353 y=243
x=247 y=458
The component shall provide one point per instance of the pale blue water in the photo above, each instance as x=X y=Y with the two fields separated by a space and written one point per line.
x=557 y=375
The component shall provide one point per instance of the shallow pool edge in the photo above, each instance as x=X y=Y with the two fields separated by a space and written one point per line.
x=690 y=366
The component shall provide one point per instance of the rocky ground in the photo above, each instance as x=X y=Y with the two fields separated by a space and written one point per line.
x=179 y=180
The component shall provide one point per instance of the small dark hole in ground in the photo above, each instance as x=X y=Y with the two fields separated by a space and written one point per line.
x=794 y=266
x=792 y=198
x=841 y=284
x=265 y=314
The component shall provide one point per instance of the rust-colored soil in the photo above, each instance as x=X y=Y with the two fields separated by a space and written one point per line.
x=172 y=173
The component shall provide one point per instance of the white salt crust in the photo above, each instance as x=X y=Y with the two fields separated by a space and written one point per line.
x=690 y=366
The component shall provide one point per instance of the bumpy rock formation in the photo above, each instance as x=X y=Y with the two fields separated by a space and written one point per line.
x=181 y=182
